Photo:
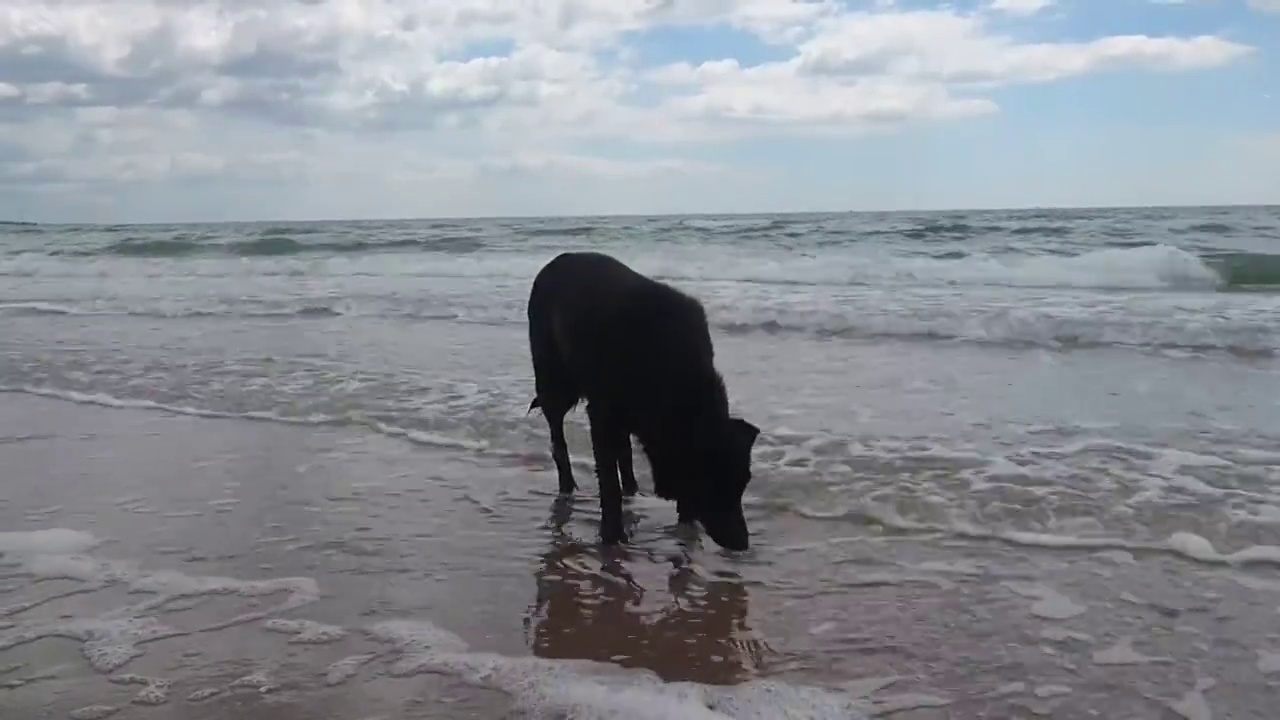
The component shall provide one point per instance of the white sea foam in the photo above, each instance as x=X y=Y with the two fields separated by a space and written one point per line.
x=1050 y=691
x=841 y=292
x=348 y=667
x=260 y=681
x=52 y=541
x=1054 y=634
x=1153 y=266
x=1186 y=544
x=1122 y=653
x=204 y=694
x=306 y=632
x=911 y=313
x=155 y=691
x=419 y=437
x=112 y=640
x=94 y=712
x=1194 y=705
x=37 y=308
x=1142 y=267
x=1066 y=324
x=1049 y=603
x=581 y=690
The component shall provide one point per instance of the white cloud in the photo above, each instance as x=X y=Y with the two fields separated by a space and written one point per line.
x=782 y=93
x=93 y=91
x=1267 y=6
x=1021 y=7
x=579 y=164
x=876 y=67
x=943 y=46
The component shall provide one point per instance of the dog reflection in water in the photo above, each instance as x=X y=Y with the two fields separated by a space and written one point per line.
x=590 y=607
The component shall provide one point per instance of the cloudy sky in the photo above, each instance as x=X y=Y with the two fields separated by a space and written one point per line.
x=159 y=110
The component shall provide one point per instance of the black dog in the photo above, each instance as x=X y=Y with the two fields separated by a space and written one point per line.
x=639 y=352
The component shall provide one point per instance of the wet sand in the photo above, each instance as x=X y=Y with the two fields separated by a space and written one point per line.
x=217 y=499
x=178 y=567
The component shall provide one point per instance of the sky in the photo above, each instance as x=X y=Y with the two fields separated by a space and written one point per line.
x=207 y=110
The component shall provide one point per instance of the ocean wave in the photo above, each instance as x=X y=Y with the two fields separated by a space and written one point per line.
x=1246 y=270
x=1058 y=321
x=1120 y=265
x=1026 y=330
x=1147 y=267
x=36 y=308
x=353 y=419
x=1150 y=267
x=945 y=230
x=318 y=310
x=271 y=244
x=1053 y=231
x=566 y=231
x=1211 y=228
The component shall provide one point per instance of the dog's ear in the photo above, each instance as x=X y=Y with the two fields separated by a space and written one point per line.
x=745 y=433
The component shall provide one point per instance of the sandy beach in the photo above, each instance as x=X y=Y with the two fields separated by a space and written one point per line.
x=178 y=567
x=243 y=569
x=178 y=503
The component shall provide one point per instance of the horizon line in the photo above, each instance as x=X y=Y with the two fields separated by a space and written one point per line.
x=593 y=216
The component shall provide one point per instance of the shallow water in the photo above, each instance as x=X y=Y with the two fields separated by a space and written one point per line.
x=1012 y=464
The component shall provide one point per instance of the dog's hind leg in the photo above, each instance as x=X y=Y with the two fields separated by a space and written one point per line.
x=554 y=411
x=604 y=447
x=555 y=395
x=626 y=468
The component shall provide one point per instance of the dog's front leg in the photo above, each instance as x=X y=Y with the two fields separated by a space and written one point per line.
x=684 y=513
x=604 y=448
x=626 y=469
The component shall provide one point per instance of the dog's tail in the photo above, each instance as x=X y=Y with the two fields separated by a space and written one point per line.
x=535 y=404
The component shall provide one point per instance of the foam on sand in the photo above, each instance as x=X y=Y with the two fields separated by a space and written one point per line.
x=1049 y=603
x=348 y=667
x=111 y=640
x=418 y=437
x=306 y=632
x=52 y=541
x=155 y=691
x=1122 y=653
x=94 y=712
x=1185 y=544
x=1194 y=705
x=580 y=690
x=583 y=690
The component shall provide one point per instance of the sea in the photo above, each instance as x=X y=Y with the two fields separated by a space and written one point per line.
x=1013 y=463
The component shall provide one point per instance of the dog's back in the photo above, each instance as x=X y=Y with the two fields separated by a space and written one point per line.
x=615 y=334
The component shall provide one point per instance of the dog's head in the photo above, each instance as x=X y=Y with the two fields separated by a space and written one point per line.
x=726 y=474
